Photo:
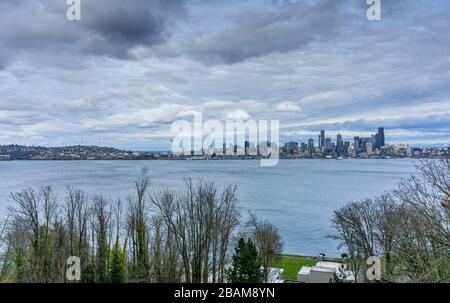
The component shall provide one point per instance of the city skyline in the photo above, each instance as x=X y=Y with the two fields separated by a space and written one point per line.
x=311 y=65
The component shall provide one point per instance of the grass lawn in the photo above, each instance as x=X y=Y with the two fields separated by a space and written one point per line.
x=292 y=264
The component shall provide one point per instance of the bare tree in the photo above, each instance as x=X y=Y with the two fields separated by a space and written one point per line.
x=200 y=223
x=184 y=237
x=387 y=231
x=138 y=231
x=5 y=250
x=36 y=215
x=100 y=225
x=267 y=240
x=409 y=227
x=424 y=249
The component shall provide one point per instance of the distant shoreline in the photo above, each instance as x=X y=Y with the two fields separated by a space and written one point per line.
x=234 y=159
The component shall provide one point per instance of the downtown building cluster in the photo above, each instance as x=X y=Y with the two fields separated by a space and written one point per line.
x=359 y=147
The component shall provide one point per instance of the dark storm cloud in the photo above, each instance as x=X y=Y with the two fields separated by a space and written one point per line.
x=257 y=33
x=293 y=25
x=115 y=27
x=312 y=64
x=108 y=27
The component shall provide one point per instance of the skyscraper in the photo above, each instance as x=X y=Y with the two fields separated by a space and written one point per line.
x=303 y=147
x=322 y=139
x=328 y=145
x=311 y=145
x=380 y=138
x=246 y=147
x=339 y=144
x=368 y=147
x=356 y=144
x=374 y=142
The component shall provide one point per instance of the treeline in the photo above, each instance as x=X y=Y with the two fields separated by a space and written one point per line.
x=155 y=236
x=408 y=227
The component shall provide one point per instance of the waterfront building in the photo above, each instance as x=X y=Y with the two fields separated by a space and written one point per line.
x=339 y=144
x=368 y=147
x=311 y=145
x=291 y=147
x=374 y=142
x=322 y=140
x=347 y=148
x=303 y=147
x=381 y=142
x=356 y=145
x=246 y=148
x=328 y=145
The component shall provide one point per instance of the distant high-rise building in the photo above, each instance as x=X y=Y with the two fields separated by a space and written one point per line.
x=356 y=143
x=380 y=142
x=374 y=142
x=368 y=147
x=311 y=145
x=291 y=147
x=322 y=139
x=224 y=148
x=246 y=148
x=303 y=147
x=363 y=145
x=347 y=147
x=328 y=145
x=339 y=144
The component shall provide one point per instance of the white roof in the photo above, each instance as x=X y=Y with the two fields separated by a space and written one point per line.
x=305 y=270
x=326 y=267
x=275 y=275
x=323 y=269
x=329 y=264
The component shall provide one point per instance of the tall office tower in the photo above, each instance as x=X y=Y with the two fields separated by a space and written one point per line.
x=347 y=147
x=224 y=148
x=380 y=142
x=328 y=145
x=339 y=144
x=319 y=141
x=311 y=145
x=356 y=143
x=303 y=147
x=374 y=142
x=246 y=148
x=368 y=147
x=322 y=139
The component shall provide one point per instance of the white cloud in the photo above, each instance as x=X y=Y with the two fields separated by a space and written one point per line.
x=287 y=106
x=366 y=75
x=237 y=115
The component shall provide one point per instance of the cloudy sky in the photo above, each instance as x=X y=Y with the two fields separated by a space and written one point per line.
x=128 y=69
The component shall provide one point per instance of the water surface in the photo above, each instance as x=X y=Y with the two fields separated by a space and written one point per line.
x=298 y=196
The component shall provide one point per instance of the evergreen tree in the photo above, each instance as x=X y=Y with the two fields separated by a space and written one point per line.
x=246 y=264
x=117 y=271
